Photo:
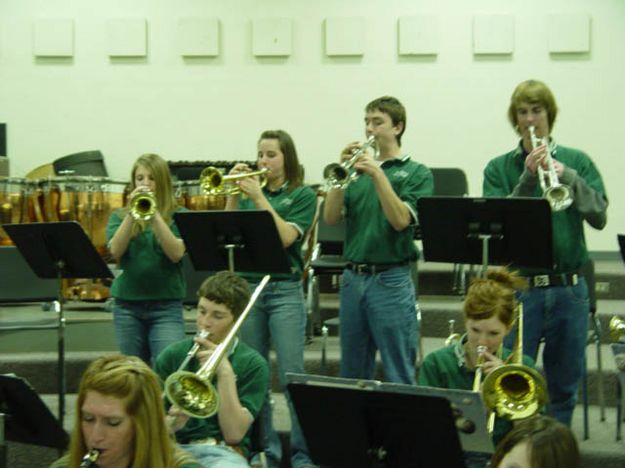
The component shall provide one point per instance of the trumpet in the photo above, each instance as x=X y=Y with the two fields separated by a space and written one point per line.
x=143 y=206
x=338 y=176
x=213 y=182
x=194 y=393
x=557 y=194
x=514 y=391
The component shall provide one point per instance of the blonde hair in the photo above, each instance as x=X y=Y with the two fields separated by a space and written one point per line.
x=129 y=379
x=164 y=192
x=494 y=295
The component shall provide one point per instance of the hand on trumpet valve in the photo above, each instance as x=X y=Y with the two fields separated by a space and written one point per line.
x=350 y=150
x=537 y=157
x=250 y=186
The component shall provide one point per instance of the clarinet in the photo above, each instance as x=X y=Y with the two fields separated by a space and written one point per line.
x=88 y=461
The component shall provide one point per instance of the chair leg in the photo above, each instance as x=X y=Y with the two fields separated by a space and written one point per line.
x=420 y=345
x=619 y=410
x=324 y=343
x=585 y=397
x=600 y=383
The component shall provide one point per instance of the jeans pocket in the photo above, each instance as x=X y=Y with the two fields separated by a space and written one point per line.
x=394 y=278
x=579 y=292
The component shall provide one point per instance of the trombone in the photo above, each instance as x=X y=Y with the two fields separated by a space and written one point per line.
x=143 y=206
x=514 y=391
x=557 y=194
x=194 y=393
x=338 y=176
x=213 y=182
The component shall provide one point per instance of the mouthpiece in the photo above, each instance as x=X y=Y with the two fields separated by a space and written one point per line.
x=90 y=458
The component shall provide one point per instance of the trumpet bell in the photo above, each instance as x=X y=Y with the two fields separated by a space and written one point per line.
x=143 y=206
x=616 y=328
x=211 y=180
x=559 y=197
x=514 y=391
x=195 y=396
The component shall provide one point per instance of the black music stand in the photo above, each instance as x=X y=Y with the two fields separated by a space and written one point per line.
x=500 y=231
x=245 y=239
x=348 y=423
x=58 y=250
x=25 y=418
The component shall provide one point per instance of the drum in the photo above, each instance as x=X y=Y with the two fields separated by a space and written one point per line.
x=87 y=200
x=190 y=195
x=16 y=204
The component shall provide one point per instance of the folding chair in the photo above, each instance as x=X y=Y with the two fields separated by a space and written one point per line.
x=326 y=259
x=594 y=337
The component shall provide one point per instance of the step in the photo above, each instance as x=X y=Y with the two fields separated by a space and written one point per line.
x=438 y=278
x=436 y=311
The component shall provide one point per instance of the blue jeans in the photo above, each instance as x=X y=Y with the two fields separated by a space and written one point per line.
x=215 y=456
x=145 y=328
x=377 y=312
x=279 y=317
x=560 y=315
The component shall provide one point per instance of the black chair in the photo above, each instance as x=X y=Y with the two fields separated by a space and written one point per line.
x=452 y=182
x=326 y=259
x=594 y=337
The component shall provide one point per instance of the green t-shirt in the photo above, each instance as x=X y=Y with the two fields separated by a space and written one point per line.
x=370 y=238
x=147 y=273
x=252 y=374
x=297 y=208
x=445 y=368
x=502 y=177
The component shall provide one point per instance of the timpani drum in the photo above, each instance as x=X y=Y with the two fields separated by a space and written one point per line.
x=17 y=197
x=87 y=200
x=190 y=195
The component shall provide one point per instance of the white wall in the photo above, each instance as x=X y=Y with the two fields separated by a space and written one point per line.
x=215 y=108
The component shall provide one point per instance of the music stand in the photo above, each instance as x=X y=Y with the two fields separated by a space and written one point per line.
x=220 y=240
x=500 y=231
x=58 y=250
x=349 y=423
x=25 y=418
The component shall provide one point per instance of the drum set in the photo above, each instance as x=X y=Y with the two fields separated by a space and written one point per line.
x=87 y=200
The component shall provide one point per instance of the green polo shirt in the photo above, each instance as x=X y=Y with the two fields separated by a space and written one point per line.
x=445 y=368
x=370 y=238
x=502 y=177
x=147 y=273
x=252 y=374
x=297 y=208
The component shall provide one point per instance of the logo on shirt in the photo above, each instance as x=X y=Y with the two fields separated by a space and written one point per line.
x=400 y=174
x=286 y=202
